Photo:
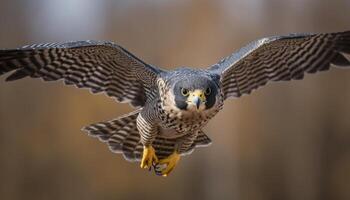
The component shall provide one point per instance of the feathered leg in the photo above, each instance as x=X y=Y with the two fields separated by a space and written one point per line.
x=148 y=129
x=183 y=145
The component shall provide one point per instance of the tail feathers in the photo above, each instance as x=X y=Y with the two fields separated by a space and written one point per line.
x=122 y=136
x=115 y=132
x=202 y=140
x=130 y=144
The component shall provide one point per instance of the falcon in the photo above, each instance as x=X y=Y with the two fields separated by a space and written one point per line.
x=171 y=107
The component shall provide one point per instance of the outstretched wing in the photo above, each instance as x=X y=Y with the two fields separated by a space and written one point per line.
x=99 y=66
x=280 y=58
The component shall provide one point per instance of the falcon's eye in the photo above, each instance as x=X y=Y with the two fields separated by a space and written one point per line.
x=207 y=91
x=185 y=92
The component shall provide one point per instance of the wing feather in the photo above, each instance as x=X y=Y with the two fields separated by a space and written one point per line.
x=99 y=66
x=280 y=58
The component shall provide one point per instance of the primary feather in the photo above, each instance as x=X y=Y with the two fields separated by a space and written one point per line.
x=99 y=66
x=280 y=58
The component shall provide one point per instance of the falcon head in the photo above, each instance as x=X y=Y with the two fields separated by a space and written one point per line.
x=193 y=91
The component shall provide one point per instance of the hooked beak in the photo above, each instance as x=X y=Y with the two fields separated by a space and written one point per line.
x=196 y=98
x=196 y=101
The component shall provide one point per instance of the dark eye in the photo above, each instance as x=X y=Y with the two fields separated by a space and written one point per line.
x=185 y=92
x=207 y=91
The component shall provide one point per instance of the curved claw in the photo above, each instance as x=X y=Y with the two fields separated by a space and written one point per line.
x=148 y=158
x=170 y=163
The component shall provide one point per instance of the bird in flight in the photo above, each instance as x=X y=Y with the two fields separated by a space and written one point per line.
x=171 y=107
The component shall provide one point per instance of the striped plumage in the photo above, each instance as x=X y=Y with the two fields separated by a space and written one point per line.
x=99 y=66
x=173 y=106
x=122 y=136
x=185 y=124
x=280 y=58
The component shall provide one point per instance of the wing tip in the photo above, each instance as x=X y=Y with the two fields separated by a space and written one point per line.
x=340 y=60
x=18 y=74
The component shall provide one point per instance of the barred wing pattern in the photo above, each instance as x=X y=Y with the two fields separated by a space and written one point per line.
x=280 y=58
x=99 y=66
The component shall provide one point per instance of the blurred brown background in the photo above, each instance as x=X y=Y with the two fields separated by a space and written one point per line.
x=286 y=141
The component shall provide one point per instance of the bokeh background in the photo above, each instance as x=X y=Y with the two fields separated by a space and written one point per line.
x=285 y=141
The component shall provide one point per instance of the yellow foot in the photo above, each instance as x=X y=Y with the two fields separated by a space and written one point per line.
x=170 y=163
x=148 y=158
